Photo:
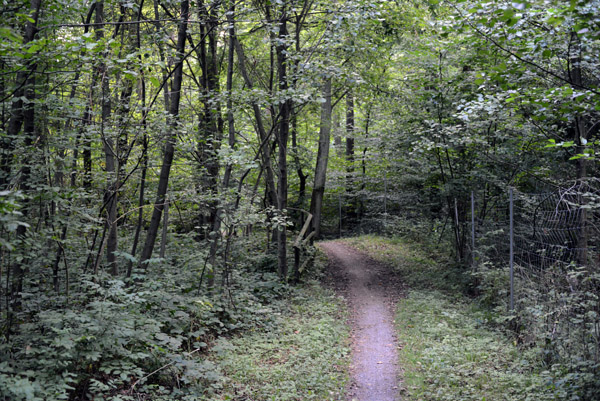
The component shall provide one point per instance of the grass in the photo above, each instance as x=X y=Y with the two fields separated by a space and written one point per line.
x=419 y=269
x=449 y=351
x=303 y=356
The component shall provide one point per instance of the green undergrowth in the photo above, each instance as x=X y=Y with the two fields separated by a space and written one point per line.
x=303 y=356
x=448 y=353
x=164 y=336
x=450 y=346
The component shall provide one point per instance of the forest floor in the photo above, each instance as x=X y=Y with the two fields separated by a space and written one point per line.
x=451 y=346
x=369 y=289
x=389 y=320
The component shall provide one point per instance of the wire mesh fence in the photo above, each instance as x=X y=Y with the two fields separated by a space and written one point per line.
x=549 y=243
x=550 y=231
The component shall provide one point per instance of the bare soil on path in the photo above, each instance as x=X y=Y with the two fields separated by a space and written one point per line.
x=370 y=291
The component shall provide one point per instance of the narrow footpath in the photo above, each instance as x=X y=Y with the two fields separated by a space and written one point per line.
x=375 y=374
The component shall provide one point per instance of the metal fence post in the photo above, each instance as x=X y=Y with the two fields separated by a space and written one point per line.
x=385 y=195
x=473 y=228
x=512 y=252
x=340 y=212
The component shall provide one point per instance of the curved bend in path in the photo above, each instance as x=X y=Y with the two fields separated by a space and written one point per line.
x=374 y=359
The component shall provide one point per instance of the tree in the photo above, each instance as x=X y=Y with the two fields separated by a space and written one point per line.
x=172 y=125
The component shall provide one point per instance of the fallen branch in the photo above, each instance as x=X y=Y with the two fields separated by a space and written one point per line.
x=158 y=370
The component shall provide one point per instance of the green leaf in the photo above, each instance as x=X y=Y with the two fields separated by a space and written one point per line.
x=155 y=82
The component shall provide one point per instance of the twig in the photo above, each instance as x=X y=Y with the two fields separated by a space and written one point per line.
x=158 y=370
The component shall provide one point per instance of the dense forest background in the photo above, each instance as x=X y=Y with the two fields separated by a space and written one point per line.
x=165 y=164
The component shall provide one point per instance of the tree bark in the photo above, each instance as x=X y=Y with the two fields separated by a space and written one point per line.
x=109 y=151
x=282 y=140
x=144 y=156
x=361 y=205
x=316 y=203
x=229 y=86
x=214 y=245
x=351 y=206
x=265 y=149
x=23 y=114
x=581 y=134
x=211 y=125
x=22 y=108
x=294 y=118
x=169 y=151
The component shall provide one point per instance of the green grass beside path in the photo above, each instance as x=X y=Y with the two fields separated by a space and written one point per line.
x=448 y=348
x=303 y=355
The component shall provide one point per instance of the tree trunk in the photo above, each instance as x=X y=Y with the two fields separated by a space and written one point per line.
x=282 y=140
x=350 y=190
x=140 y=220
x=22 y=108
x=109 y=151
x=230 y=116
x=316 y=202
x=211 y=125
x=361 y=205
x=265 y=149
x=294 y=120
x=23 y=114
x=169 y=152
x=165 y=230
x=581 y=134
x=144 y=156
x=214 y=246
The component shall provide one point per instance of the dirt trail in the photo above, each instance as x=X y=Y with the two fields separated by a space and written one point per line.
x=368 y=291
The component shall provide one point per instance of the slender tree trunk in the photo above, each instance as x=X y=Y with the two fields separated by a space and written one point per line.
x=144 y=155
x=337 y=137
x=140 y=221
x=350 y=190
x=22 y=108
x=165 y=230
x=282 y=139
x=362 y=207
x=581 y=134
x=294 y=119
x=169 y=151
x=23 y=114
x=265 y=149
x=87 y=141
x=232 y=143
x=316 y=203
x=109 y=150
x=210 y=129
x=230 y=116
x=163 y=59
x=211 y=124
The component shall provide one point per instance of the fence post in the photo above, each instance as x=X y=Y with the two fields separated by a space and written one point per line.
x=459 y=247
x=512 y=252
x=340 y=212
x=473 y=228
x=385 y=197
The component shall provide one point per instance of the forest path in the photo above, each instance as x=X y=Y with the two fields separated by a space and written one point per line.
x=369 y=292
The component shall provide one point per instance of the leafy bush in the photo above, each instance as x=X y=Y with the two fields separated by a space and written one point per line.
x=151 y=337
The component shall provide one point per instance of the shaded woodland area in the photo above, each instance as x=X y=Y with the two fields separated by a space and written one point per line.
x=165 y=167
